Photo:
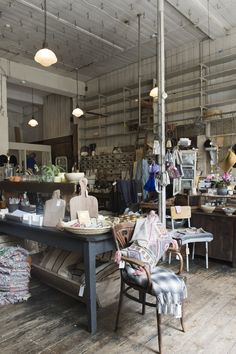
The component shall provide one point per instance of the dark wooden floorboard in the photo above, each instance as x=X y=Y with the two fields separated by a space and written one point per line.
x=53 y=323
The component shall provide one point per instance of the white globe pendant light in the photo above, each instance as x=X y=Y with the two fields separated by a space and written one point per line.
x=154 y=92
x=77 y=112
x=45 y=56
x=33 y=122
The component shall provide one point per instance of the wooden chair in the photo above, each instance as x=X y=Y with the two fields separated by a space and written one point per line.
x=122 y=235
x=184 y=212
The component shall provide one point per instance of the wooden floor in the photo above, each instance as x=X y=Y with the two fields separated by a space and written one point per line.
x=51 y=322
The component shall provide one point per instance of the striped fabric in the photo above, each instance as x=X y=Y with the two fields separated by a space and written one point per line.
x=70 y=265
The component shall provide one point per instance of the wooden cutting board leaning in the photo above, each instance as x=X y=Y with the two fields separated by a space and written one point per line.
x=83 y=202
x=54 y=210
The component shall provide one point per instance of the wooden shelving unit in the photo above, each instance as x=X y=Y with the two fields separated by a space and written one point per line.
x=109 y=165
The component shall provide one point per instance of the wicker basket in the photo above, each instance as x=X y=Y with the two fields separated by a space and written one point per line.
x=86 y=230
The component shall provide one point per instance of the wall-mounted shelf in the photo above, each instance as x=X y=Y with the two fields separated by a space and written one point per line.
x=222 y=73
x=195 y=81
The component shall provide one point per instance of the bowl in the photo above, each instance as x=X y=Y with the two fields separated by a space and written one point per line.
x=74 y=177
x=229 y=211
x=208 y=208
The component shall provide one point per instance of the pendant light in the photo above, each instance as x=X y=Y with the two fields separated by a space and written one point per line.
x=45 y=56
x=154 y=91
x=77 y=112
x=33 y=122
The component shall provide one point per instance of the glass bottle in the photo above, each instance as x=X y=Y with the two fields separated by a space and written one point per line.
x=39 y=204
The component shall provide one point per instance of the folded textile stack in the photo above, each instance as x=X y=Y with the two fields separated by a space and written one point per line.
x=14 y=275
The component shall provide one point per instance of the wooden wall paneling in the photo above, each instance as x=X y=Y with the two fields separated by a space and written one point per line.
x=62 y=146
x=56 y=116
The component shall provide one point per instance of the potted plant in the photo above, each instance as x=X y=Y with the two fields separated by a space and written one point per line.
x=49 y=172
x=222 y=184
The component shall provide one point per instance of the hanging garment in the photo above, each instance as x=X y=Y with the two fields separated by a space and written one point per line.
x=142 y=174
x=150 y=184
x=156 y=148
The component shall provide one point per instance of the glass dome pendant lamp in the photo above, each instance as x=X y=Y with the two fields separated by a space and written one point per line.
x=77 y=112
x=45 y=56
x=33 y=122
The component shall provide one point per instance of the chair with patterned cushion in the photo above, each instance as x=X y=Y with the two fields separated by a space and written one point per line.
x=149 y=283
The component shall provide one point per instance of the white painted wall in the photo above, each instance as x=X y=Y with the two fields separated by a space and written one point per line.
x=15 y=120
x=32 y=134
x=43 y=80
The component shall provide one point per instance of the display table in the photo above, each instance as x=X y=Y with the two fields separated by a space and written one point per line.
x=90 y=245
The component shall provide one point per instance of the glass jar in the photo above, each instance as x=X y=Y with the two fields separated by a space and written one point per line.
x=8 y=170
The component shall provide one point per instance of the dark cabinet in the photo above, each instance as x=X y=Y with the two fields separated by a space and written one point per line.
x=223 y=229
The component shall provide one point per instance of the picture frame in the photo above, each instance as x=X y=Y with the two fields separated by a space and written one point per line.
x=176 y=186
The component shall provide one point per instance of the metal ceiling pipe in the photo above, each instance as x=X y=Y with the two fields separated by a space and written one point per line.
x=161 y=105
x=139 y=72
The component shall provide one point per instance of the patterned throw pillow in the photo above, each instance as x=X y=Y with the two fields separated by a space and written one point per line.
x=140 y=253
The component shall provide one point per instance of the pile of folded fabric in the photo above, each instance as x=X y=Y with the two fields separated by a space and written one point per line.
x=14 y=275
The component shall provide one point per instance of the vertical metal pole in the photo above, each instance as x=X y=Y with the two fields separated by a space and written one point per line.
x=155 y=100
x=124 y=111
x=139 y=72
x=161 y=103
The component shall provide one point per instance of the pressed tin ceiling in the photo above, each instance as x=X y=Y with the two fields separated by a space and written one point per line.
x=101 y=36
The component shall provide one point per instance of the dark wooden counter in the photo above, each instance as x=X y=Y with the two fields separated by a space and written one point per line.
x=36 y=187
x=223 y=228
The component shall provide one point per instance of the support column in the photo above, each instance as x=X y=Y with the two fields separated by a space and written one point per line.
x=4 y=134
x=161 y=104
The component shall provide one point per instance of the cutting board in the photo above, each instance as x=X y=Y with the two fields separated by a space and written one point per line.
x=83 y=202
x=54 y=210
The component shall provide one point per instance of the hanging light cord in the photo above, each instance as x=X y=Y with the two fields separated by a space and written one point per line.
x=45 y=22
x=32 y=103
x=77 y=87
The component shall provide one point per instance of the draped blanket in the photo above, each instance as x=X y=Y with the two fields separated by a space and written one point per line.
x=149 y=243
x=168 y=288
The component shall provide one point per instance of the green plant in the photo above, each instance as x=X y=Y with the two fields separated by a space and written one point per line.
x=50 y=171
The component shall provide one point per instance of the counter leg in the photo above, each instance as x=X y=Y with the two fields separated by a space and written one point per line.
x=90 y=285
x=187 y=257
x=206 y=255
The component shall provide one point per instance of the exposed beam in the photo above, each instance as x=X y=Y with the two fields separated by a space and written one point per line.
x=17 y=95
x=40 y=79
